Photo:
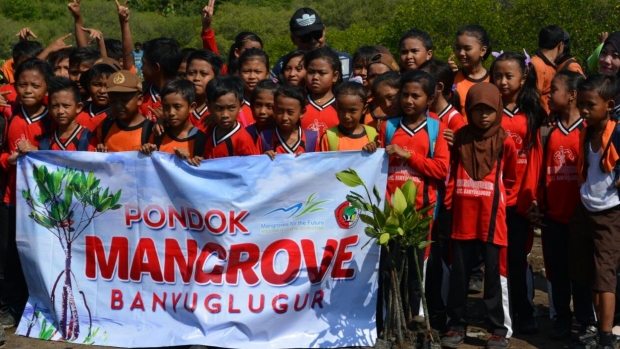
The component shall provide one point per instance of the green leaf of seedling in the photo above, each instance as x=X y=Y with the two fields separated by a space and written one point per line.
x=424 y=244
x=384 y=238
x=367 y=219
x=104 y=205
x=379 y=216
x=426 y=209
x=68 y=199
x=358 y=195
x=370 y=232
x=377 y=196
x=401 y=232
x=105 y=193
x=399 y=201
x=409 y=189
x=117 y=197
x=90 y=180
x=116 y=207
x=349 y=178
x=392 y=220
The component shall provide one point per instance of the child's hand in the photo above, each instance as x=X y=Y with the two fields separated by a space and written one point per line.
x=3 y=101
x=207 y=15
x=58 y=44
x=602 y=37
x=25 y=33
x=533 y=215
x=123 y=11
x=182 y=153
x=452 y=63
x=372 y=146
x=94 y=34
x=271 y=154
x=25 y=146
x=396 y=150
x=13 y=158
x=158 y=128
x=148 y=148
x=74 y=8
x=159 y=113
x=195 y=161
x=617 y=184
x=102 y=148
x=448 y=135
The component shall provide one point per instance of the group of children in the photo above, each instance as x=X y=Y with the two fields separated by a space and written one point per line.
x=528 y=143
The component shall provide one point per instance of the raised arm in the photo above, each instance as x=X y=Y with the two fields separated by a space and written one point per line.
x=78 y=23
x=208 y=36
x=123 y=18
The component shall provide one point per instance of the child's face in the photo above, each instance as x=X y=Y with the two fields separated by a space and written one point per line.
x=124 y=105
x=61 y=68
x=176 y=109
x=469 y=51
x=200 y=73
x=360 y=68
x=593 y=108
x=413 y=99
x=387 y=99
x=559 y=97
x=97 y=91
x=251 y=72
x=294 y=71
x=64 y=108
x=375 y=70
x=182 y=70
x=483 y=116
x=149 y=71
x=350 y=110
x=224 y=110
x=609 y=60
x=262 y=109
x=508 y=77
x=75 y=71
x=413 y=53
x=320 y=77
x=288 y=113
x=31 y=88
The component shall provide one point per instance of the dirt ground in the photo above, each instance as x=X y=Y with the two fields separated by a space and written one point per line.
x=475 y=309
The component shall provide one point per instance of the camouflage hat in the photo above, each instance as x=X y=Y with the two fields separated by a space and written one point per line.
x=386 y=59
x=123 y=81
x=109 y=61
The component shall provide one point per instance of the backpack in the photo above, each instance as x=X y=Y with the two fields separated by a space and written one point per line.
x=200 y=140
x=332 y=136
x=432 y=128
x=81 y=143
x=147 y=128
x=267 y=135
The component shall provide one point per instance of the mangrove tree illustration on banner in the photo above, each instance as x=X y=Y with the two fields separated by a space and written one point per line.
x=65 y=202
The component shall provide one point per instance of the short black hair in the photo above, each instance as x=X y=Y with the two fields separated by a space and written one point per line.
x=215 y=60
x=36 y=64
x=570 y=78
x=550 y=37
x=225 y=84
x=95 y=72
x=442 y=72
x=328 y=55
x=83 y=55
x=60 y=55
x=421 y=35
x=241 y=39
x=186 y=52
x=114 y=48
x=605 y=85
x=138 y=44
x=353 y=89
x=262 y=86
x=251 y=54
x=291 y=91
x=61 y=83
x=165 y=52
x=391 y=78
x=28 y=49
x=428 y=82
x=183 y=87
x=365 y=54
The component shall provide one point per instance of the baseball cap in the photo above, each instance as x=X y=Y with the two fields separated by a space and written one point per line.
x=305 y=21
x=386 y=59
x=123 y=81
x=109 y=61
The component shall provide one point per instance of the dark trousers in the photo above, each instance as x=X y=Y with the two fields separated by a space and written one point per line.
x=555 y=251
x=437 y=275
x=464 y=256
x=13 y=289
x=518 y=230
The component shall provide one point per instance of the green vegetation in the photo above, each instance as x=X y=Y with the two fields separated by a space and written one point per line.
x=512 y=24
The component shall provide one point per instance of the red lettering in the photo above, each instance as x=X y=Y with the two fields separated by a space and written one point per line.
x=246 y=265
x=279 y=308
x=260 y=306
x=137 y=302
x=175 y=301
x=192 y=307
x=213 y=308
x=231 y=306
x=297 y=306
x=147 y=217
x=215 y=275
x=268 y=264
x=344 y=256
x=146 y=248
x=132 y=214
x=118 y=258
x=195 y=219
x=235 y=224
x=174 y=215
x=318 y=298
x=317 y=273
x=211 y=216
x=161 y=302
x=116 y=300
x=174 y=256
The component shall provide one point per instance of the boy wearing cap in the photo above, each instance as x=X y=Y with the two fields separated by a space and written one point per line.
x=307 y=33
x=126 y=129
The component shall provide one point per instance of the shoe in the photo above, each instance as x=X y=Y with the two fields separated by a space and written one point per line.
x=560 y=330
x=3 y=337
x=6 y=319
x=497 y=342
x=587 y=336
x=453 y=339
x=605 y=341
x=528 y=325
x=475 y=286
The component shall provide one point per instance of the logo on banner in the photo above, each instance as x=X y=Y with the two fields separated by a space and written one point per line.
x=346 y=215
x=292 y=217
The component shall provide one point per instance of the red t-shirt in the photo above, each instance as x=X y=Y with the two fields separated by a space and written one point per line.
x=479 y=207
x=71 y=143
x=237 y=142
x=515 y=124
x=209 y=43
x=21 y=126
x=197 y=118
x=245 y=116
x=90 y=118
x=280 y=147
x=424 y=171
x=451 y=118
x=320 y=118
x=149 y=100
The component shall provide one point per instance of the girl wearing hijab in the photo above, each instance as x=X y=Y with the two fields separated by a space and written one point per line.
x=483 y=172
